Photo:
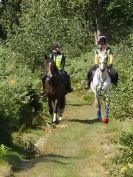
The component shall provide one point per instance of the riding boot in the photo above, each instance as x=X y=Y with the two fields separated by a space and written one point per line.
x=113 y=76
x=89 y=79
x=87 y=84
x=69 y=88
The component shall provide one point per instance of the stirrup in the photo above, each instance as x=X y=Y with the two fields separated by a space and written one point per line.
x=86 y=85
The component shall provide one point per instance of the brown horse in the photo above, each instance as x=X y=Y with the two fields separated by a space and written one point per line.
x=55 y=90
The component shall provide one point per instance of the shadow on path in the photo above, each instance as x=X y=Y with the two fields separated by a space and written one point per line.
x=47 y=158
x=86 y=121
x=77 y=104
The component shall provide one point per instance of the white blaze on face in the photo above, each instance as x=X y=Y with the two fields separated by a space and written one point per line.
x=49 y=70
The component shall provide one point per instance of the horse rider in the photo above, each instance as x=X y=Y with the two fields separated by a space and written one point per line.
x=59 y=58
x=102 y=48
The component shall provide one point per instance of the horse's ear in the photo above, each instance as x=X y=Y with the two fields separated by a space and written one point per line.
x=45 y=56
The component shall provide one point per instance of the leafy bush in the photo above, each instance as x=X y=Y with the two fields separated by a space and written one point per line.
x=122 y=101
x=124 y=160
x=78 y=69
x=39 y=28
x=122 y=109
x=3 y=153
x=19 y=93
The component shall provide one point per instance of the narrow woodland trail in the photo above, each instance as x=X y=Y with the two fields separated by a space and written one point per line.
x=79 y=147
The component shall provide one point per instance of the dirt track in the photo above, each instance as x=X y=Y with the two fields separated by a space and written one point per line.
x=79 y=146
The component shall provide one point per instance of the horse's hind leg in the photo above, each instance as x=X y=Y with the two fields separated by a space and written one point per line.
x=61 y=108
x=50 y=106
x=107 y=108
x=107 y=105
x=59 y=114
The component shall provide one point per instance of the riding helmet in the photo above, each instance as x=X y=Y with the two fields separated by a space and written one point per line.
x=102 y=39
x=56 y=45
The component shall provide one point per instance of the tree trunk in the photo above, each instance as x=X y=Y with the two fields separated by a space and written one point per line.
x=99 y=26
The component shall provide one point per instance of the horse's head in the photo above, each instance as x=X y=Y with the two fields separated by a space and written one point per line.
x=50 y=67
x=103 y=61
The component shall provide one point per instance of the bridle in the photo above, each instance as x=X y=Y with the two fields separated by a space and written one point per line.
x=103 y=62
x=51 y=69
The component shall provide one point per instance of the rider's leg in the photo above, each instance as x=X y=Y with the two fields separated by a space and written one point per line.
x=68 y=85
x=90 y=75
x=113 y=76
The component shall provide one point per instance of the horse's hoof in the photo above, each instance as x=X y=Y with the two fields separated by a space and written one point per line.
x=53 y=125
x=86 y=86
x=54 y=121
x=99 y=118
x=105 y=120
x=60 y=118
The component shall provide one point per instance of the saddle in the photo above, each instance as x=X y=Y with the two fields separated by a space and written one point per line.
x=64 y=77
x=66 y=80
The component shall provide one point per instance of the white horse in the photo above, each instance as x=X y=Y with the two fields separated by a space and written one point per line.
x=100 y=86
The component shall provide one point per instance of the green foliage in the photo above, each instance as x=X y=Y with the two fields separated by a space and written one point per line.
x=30 y=27
x=29 y=146
x=19 y=91
x=78 y=69
x=10 y=12
x=42 y=24
x=124 y=160
x=3 y=153
x=122 y=102
x=119 y=20
x=89 y=97
x=122 y=109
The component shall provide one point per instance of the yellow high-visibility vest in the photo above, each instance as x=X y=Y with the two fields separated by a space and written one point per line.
x=58 y=61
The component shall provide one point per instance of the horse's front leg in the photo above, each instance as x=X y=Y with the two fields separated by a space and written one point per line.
x=61 y=107
x=107 y=108
x=55 y=111
x=98 y=105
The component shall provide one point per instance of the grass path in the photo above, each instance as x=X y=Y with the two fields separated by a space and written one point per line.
x=79 y=147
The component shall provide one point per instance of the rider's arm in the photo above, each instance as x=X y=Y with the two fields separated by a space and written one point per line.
x=111 y=58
